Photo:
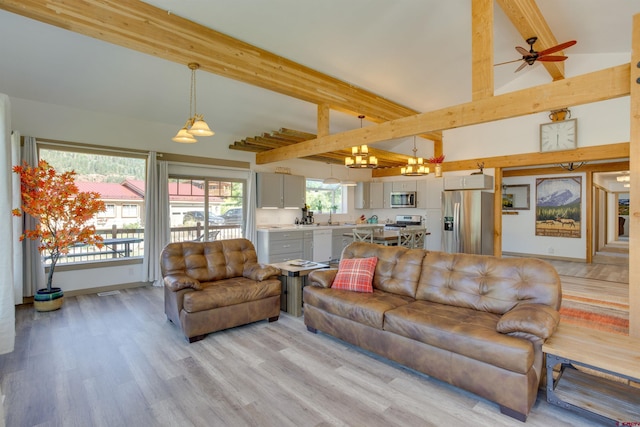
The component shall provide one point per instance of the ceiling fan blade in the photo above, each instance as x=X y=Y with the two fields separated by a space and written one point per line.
x=548 y=58
x=507 y=62
x=522 y=51
x=557 y=48
x=524 y=64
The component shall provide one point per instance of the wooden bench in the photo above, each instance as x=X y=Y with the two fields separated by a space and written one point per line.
x=612 y=393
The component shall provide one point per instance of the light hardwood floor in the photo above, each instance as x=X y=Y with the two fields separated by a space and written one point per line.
x=116 y=361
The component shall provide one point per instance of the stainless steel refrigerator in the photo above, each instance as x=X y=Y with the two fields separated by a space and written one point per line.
x=467 y=222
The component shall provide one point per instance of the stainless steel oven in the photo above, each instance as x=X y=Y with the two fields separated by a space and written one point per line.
x=403 y=199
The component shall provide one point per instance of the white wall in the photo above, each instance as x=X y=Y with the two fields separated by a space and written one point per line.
x=600 y=123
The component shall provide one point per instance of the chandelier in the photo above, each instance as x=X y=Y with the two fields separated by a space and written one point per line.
x=195 y=125
x=360 y=157
x=415 y=165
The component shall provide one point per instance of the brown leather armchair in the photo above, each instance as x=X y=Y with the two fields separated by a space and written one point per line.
x=210 y=286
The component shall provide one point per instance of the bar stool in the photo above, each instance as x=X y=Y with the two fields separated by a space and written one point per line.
x=363 y=234
x=405 y=238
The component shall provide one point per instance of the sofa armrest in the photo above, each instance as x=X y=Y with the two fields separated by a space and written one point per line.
x=260 y=272
x=537 y=319
x=175 y=282
x=322 y=278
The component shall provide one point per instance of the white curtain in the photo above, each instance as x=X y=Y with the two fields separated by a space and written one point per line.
x=7 y=303
x=18 y=279
x=33 y=267
x=250 y=226
x=157 y=230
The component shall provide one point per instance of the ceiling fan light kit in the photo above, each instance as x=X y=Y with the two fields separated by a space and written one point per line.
x=195 y=125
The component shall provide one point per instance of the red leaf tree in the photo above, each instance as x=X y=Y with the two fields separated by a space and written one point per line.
x=61 y=209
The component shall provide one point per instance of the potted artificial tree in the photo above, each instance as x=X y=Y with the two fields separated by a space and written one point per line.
x=62 y=213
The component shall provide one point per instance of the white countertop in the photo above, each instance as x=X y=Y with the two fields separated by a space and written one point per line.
x=267 y=228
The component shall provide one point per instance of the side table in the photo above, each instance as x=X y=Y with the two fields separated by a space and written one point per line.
x=292 y=278
x=611 y=402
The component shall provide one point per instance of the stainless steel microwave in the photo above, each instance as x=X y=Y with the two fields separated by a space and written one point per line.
x=403 y=199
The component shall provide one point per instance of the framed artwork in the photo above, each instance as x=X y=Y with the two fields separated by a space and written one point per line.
x=516 y=197
x=558 y=207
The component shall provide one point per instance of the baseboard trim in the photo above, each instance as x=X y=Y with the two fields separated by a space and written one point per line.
x=29 y=300
x=549 y=257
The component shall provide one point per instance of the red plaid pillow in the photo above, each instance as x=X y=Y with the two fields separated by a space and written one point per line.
x=355 y=274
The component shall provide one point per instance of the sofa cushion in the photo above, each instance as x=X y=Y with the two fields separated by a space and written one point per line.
x=464 y=331
x=398 y=268
x=228 y=292
x=487 y=283
x=365 y=308
x=355 y=274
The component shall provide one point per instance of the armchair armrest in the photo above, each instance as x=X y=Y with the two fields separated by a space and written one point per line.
x=260 y=272
x=175 y=282
x=322 y=278
x=537 y=319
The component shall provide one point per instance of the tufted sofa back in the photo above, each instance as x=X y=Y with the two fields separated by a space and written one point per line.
x=487 y=283
x=397 y=270
x=208 y=261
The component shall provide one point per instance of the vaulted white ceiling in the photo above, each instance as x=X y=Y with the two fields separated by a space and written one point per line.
x=414 y=52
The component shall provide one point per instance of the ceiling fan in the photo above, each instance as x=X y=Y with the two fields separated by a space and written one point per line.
x=529 y=57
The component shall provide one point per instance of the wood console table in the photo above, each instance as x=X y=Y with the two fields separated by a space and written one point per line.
x=293 y=275
x=612 y=402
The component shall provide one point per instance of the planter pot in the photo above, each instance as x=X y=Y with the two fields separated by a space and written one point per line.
x=438 y=170
x=45 y=300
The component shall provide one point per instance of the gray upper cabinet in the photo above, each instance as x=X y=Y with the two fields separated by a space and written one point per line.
x=404 y=186
x=369 y=195
x=468 y=182
x=277 y=190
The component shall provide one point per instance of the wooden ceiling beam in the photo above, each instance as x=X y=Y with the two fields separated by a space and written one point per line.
x=597 y=86
x=148 y=29
x=585 y=154
x=482 y=80
x=528 y=20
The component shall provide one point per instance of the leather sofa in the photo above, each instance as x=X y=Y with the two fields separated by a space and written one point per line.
x=210 y=286
x=477 y=322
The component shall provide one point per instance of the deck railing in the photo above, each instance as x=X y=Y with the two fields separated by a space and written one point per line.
x=124 y=243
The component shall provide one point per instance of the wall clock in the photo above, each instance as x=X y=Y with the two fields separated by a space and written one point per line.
x=560 y=135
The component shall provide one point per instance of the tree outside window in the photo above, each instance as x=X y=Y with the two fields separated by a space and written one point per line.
x=324 y=198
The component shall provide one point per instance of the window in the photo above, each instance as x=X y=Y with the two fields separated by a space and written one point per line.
x=324 y=198
x=130 y=211
x=120 y=179
x=206 y=209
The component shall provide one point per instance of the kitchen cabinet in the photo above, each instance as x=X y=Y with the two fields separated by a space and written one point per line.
x=339 y=241
x=275 y=190
x=404 y=186
x=468 y=182
x=307 y=244
x=387 y=187
x=369 y=195
x=429 y=193
x=280 y=246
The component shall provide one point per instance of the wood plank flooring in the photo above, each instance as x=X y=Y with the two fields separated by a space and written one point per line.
x=116 y=361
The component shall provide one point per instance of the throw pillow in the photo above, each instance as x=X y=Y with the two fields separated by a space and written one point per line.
x=355 y=274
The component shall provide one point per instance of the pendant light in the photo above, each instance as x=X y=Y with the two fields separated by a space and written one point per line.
x=360 y=157
x=195 y=125
x=415 y=165
x=331 y=180
x=348 y=182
